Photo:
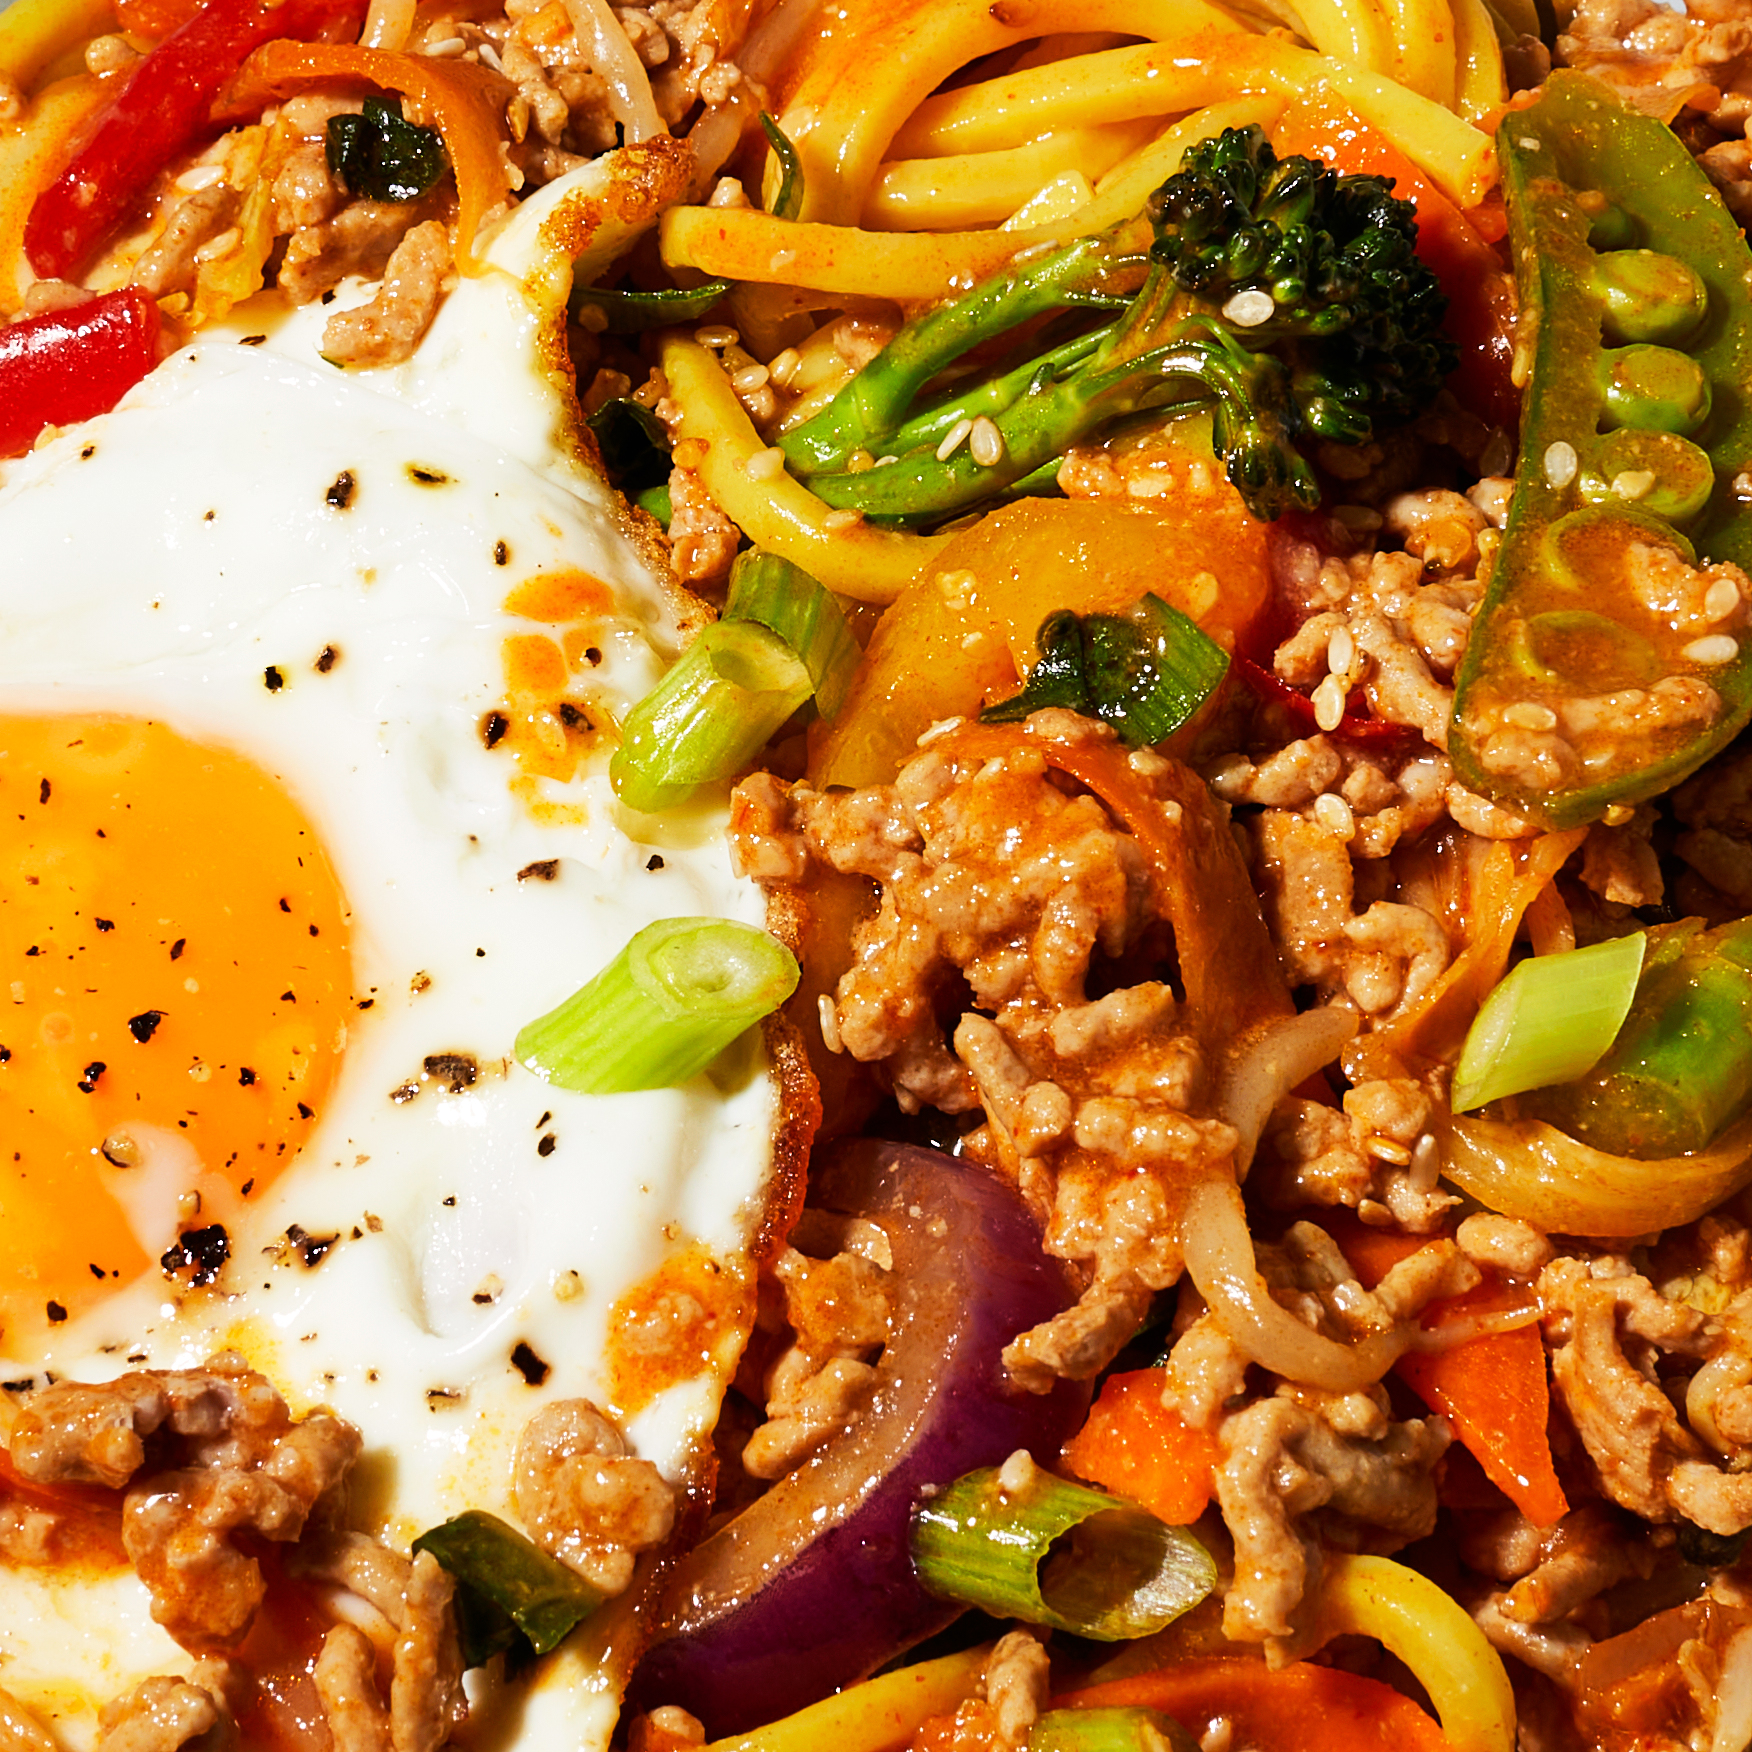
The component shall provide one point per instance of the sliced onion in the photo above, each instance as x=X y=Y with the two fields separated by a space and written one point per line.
x=812 y=1587
x=1533 y=1171
x=1285 y=1054
x=1220 y=1260
x=612 y=57
x=387 y=24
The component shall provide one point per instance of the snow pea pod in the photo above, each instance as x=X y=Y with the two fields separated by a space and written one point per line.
x=1612 y=652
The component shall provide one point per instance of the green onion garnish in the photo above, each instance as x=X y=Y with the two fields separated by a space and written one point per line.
x=1060 y=1554
x=1144 y=672
x=788 y=202
x=381 y=157
x=1549 y=1021
x=1122 y=1728
x=663 y=1009
x=634 y=445
x=507 y=1586
x=709 y=716
x=1679 y=1072
x=782 y=597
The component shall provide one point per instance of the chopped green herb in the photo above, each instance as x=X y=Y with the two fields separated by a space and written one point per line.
x=383 y=158
x=634 y=446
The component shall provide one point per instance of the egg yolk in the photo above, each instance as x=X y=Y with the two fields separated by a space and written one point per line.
x=175 y=984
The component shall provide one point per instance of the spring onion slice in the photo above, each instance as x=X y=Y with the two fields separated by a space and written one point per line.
x=507 y=1586
x=1549 y=1021
x=788 y=202
x=709 y=716
x=782 y=597
x=636 y=313
x=663 y=1009
x=1060 y=1554
x=1124 y=1728
x=1145 y=672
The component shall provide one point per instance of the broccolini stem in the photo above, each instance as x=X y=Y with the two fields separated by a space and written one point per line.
x=1094 y=272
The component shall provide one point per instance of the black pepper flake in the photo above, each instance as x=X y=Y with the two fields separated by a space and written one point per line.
x=450 y=1203
x=105 y=925
x=528 y=1364
x=253 y=341
x=5 y=1055
x=544 y=1119
x=88 y=451
x=329 y=296
x=312 y=1249
x=96 y=1271
x=365 y=1003
x=424 y=475
x=654 y=862
x=326 y=659
x=247 y=1188
x=493 y=728
x=572 y=717
x=34 y=949
x=245 y=1076
x=25 y=1383
x=455 y=1070
x=56 y=1313
x=202 y=1253
x=43 y=791
x=288 y=996
x=548 y=1144
x=501 y=553
x=340 y=495
x=285 y=904
x=311 y=930
x=306 y=1112
x=542 y=870
x=592 y=656
x=145 y=1025
x=440 y=1396
x=208 y=518
x=272 y=679
x=177 y=948
x=94 y=1070
x=406 y=1093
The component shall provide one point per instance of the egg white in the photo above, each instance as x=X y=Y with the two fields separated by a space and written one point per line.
x=158 y=561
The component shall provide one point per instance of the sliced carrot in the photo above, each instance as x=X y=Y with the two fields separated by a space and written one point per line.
x=1134 y=1446
x=463 y=101
x=1299 y=1708
x=1494 y=1389
x=1481 y=298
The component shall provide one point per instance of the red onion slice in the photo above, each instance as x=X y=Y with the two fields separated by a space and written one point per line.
x=812 y=1587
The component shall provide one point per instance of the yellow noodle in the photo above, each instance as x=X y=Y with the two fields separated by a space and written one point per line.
x=872 y=1717
x=1132 y=81
x=852 y=99
x=984 y=188
x=1423 y=48
x=1433 y=1635
x=1356 y=31
x=1053 y=203
x=36 y=33
x=1482 y=88
x=908 y=267
x=1125 y=188
x=775 y=511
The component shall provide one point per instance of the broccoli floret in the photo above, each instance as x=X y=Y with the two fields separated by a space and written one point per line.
x=1287 y=298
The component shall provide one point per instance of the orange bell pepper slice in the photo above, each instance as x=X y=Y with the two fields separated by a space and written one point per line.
x=463 y=101
x=1298 y=1708
x=1135 y=1447
x=1481 y=292
x=1494 y=1389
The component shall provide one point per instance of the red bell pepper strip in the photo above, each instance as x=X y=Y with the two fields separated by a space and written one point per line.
x=1481 y=291
x=164 y=108
x=68 y=365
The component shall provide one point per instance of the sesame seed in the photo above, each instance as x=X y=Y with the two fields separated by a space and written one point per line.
x=1722 y=599
x=1712 y=650
x=1329 y=703
x=847 y=517
x=222 y=245
x=716 y=336
x=765 y=465
x=200 y=176
x=445 y=49
x=1560 y=463
x=749 y=379
x=1341 y=652
x=985 y=443
x=1249 y=308
x=785 y=366
x=953 y=439
x=1530 y=715
x=1633 y=483
x=1334 y=814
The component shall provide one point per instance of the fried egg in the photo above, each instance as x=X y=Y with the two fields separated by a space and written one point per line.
x=307 y=684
